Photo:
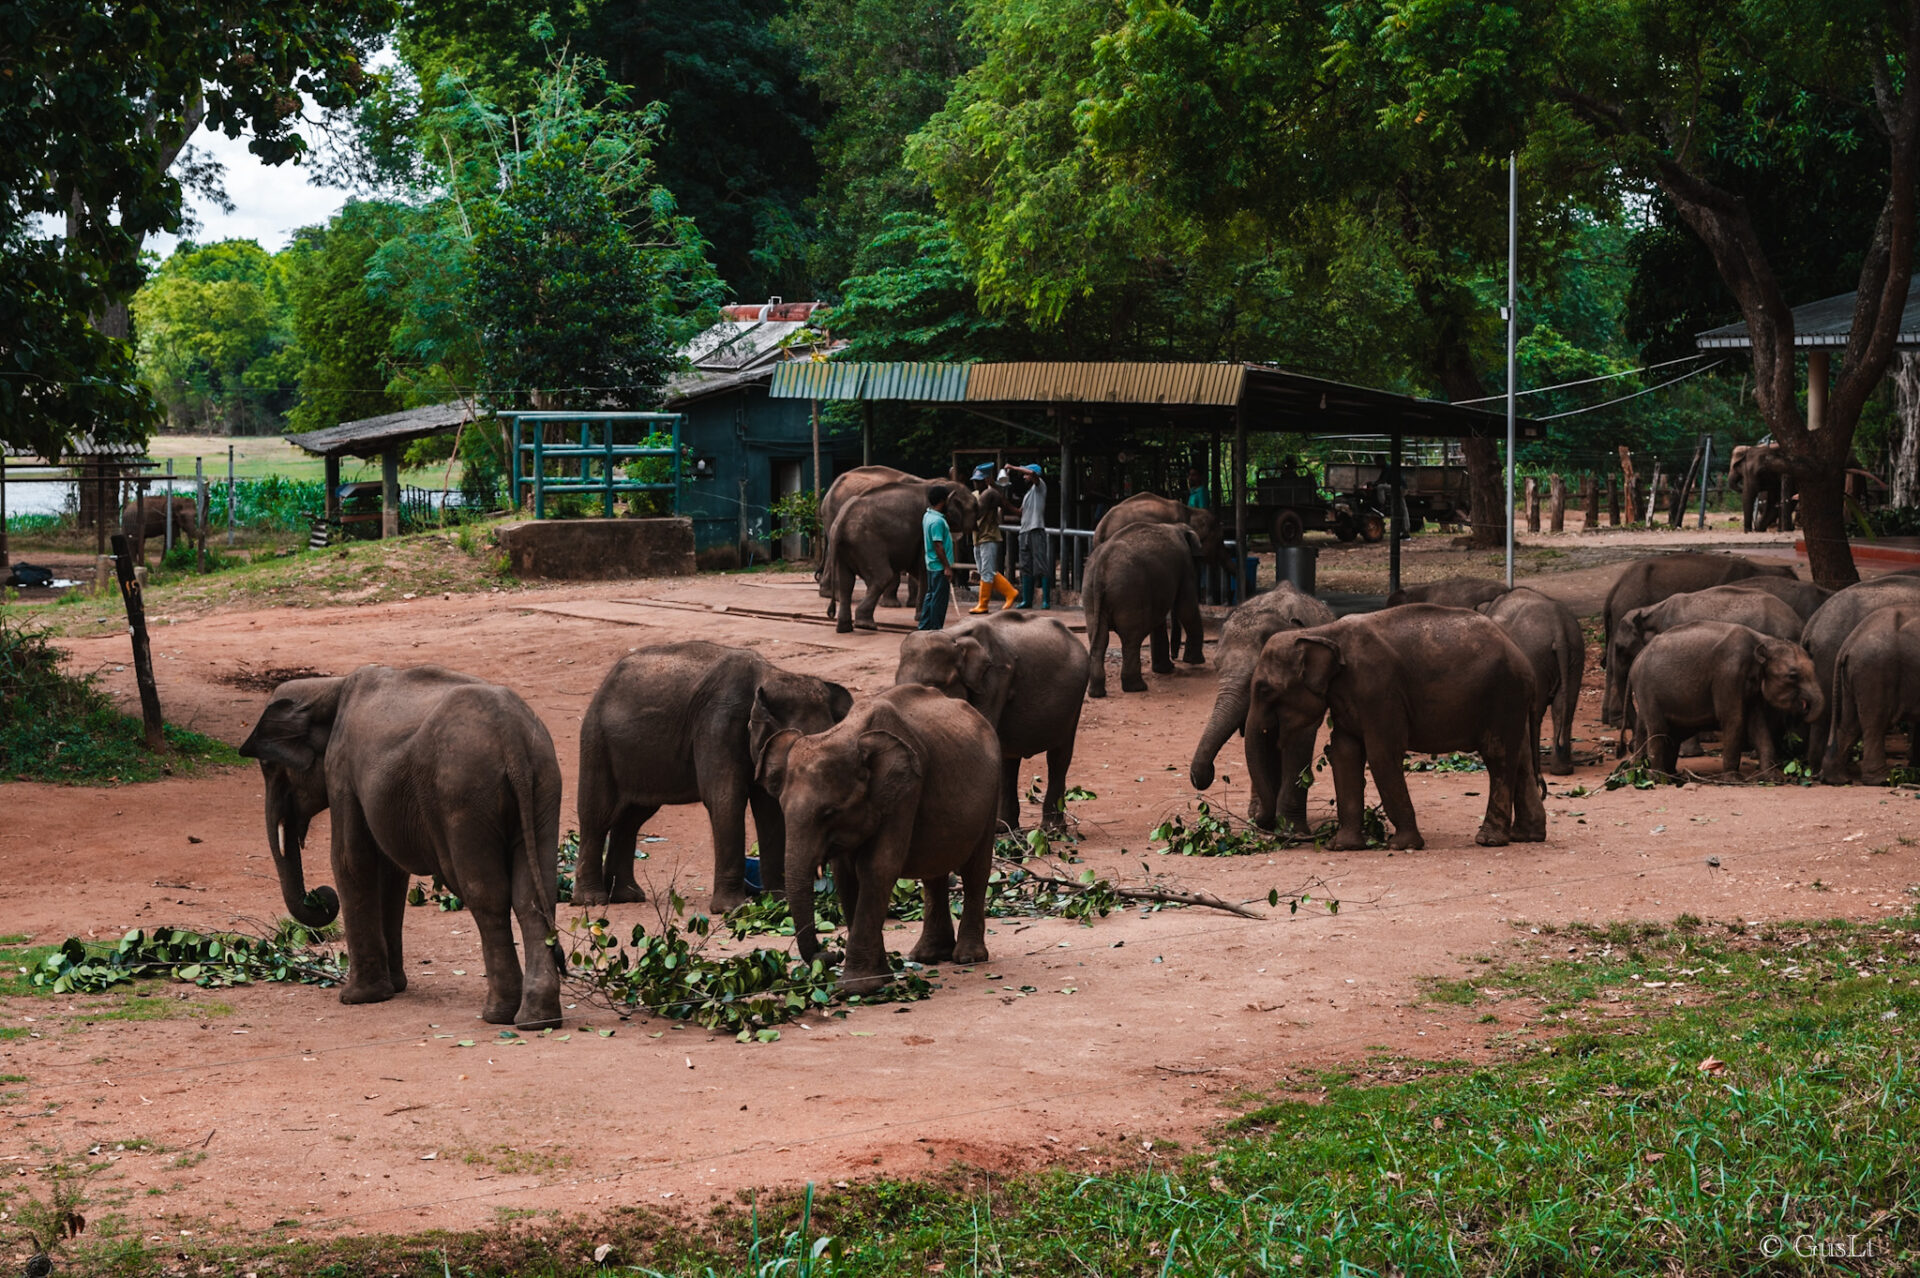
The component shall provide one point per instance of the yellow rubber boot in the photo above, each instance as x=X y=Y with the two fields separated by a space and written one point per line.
x=986 y=593
x=1008 y=595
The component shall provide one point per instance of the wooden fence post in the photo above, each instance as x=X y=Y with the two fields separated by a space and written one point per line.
x=1613 y=502
x=137 y=626
x=1556 y=503
x=1533 y=505
x=1590 y=503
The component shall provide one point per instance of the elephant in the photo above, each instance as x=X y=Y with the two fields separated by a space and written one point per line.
x=1027 y=676
x=963 y=515
x=1650 y=580
x=1803 y=597
x=1135 y=581
x=904 y=787
x=1418 y=677
x=147 y=518
x=1755 y=471
x=1716 y=674
x=1549 y=634
x=1151 y=508
x=1756 y=608
x=1828 y=629
x=876 y=537
x=1876 y=684
x=426 y=772
x=1453 y=592
x=684 y=723
x=1245 y=633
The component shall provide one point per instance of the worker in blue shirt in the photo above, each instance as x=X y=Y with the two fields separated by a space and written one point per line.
x=1196 y=488
x=936 y=539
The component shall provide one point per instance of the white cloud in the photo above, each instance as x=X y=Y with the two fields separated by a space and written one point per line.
x=270 y=201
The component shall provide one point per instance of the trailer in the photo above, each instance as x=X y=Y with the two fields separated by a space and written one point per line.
x=1436 y=493
x=1288 y=504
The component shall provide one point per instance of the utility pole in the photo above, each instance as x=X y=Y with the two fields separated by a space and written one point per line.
x=1513 y=298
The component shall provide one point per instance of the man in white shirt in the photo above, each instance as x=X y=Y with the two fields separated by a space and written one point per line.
x=1036 y=554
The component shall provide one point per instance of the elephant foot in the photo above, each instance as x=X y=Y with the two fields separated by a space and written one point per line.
x=1690 y=748
x=892 y=602
x=1162 y=667
x=500 y=1011
x=584 y=894
x=1135 y=684
x=1055 y=823
x=1561 y=767
x=726 y=900
x=366 y=991
x=1097 y=689
x=1873 y=776
x=1529 y=833
x=1343 y=841
x=865 y=982
x=970 y=952
x=843 y=625
x=397 y=977
x=1492 y=836
x=1405 y=841
x=927 y=953
x=539 y=1013
x=865 y=624
x=626 y=893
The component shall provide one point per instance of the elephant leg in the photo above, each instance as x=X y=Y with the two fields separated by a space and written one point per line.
x=1054 y=808
x=1496 y=826
x=487 y=864
x=1096 y=649
x=1158 y=643
x=623 y=840
x=1529 y=802
x=726 y=806
x=890 y=593
x=770 y=828
x=1347 y=756
x=1010 y=793
x=359 y=874
x=971 y=947
x=1656 y=738
x=866 y=968
x=1873 y=749
x=1734 y=731
x=846 y=886
x=1131 y=680
x=1296 y=760
x=863 y=611
x=1187 y=608
x=393 y=915
x=1565 y=702
x=1612 y=701
x=589 y=869
x=841 y=609
x=539 y=1006
x=1265 y=762
x=1390 y=778
x=936 y=928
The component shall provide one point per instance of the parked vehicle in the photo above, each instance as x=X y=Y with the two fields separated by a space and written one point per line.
x=1437 y=493
x=1288 y=504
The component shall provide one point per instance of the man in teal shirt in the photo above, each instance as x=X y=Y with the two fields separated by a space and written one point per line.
x=936 y=539
x=1196 y=488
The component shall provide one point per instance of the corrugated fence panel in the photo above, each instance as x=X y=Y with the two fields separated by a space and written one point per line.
x=1036 y=383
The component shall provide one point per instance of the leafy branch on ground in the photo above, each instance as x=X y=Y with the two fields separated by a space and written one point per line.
x=1458 y=761
x=210 y=960
x=1210 y=833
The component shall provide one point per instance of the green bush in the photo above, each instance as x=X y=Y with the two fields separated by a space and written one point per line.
x=60 y=727
x=273 y=504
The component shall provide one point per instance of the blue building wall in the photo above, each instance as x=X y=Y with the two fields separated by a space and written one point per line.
x=747 y=436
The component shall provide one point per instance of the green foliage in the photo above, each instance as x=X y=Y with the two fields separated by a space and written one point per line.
x=60 y=727
x=1637 y=773
x=210 y=960
x=100 y=99
x=1455 y=762
x=797 y=513
x=1208 y=834
x=344 y=328
x=214 y=338
x=276 y=503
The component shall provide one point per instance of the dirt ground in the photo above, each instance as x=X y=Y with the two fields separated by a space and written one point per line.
x=275 y=1105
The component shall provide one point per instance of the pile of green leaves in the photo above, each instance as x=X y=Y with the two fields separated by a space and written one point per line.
x=208 y=959
x=1013 y=892
x=274 y=504
x=1458 y=761
x=1206 y=833
x=750 y=993
x=59 y=727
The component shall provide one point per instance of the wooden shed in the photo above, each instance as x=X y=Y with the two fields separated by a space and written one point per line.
x=381 y=437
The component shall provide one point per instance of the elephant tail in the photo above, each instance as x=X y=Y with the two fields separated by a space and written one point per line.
x=520 y=777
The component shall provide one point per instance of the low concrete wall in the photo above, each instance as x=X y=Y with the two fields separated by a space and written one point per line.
x=599 y=549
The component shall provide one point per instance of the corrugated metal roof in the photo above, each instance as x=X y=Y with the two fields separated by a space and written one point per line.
x=833 y=379
x=1826 y=322
x=370 y=435
x=1212 y=385
x=733 y=344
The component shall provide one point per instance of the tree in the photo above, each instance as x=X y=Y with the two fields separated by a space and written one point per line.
x=215 y=346
x=1664 y=93
x=99 y=101
x=345 y=331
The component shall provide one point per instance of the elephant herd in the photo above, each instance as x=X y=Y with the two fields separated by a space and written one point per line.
x=427 y=771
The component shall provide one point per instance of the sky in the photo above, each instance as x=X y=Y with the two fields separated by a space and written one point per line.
x=270 y=203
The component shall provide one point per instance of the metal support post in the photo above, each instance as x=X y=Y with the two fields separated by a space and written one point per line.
x=1393 y=517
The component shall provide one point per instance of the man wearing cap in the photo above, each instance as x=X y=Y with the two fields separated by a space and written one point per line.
x=986 y=541
x=1036 y=556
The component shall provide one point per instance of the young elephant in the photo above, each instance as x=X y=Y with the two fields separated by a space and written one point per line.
x=1752 y=608
x=1714 y=674
x=1657 y=577
x=426 y=772
x=1453 y=592
x=1829 y=628
x=876 y=538
x=1549 y=634
x=1028 y=676
x=1135 y=580
x=1245 y=633
x=684 y=723
x=904 y=787
x=1417 y=677
x=1876 y=684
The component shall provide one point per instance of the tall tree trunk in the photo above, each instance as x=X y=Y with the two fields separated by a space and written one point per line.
x=1906 y=444
x=1454 y=368
x=1821 y=512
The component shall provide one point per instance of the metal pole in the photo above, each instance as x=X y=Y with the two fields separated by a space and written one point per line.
x=3 y=508
x=1241 y=591
x=817 y=486
x=168 y=544
x=607 y=464
x=1393 y=520
x=1513 y=323
x=676 y=464
x=229 y=494
x=200 y=511
x=1705 y=478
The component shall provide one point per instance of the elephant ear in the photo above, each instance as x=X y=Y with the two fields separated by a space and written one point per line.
x=770 y=764
x=988 y=678
x=294 y=729
x=893 y=771
x=1320 y=660
x=839 y=702
x=1193 y=541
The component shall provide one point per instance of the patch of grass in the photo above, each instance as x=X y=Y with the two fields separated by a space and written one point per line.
x=1775 y=1104
x=59 y=727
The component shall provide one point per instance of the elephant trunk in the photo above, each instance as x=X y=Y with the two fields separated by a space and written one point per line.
x=801 y=867
x=321 y=906
x=1229 y=715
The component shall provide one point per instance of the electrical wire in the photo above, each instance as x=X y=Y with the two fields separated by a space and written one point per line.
x=1587 y=381
x=1575 y=412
